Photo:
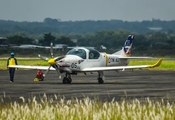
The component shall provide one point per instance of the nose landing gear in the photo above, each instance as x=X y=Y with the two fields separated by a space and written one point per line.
x=67 y=79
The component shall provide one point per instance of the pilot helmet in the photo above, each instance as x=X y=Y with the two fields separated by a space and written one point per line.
x=12 y=53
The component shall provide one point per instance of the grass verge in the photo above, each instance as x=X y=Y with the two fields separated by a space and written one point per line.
x=56 y=108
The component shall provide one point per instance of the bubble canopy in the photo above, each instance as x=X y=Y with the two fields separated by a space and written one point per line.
x=84 y=53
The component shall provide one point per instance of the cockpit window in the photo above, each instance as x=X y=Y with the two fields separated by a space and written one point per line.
x=79 y=52
x=93 y=54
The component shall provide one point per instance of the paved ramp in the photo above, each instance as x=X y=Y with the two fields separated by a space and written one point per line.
x=137 y=84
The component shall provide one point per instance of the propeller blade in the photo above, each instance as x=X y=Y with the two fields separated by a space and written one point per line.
x=59 y=74
x=58 y=71
x=43 y=57
x=51 y=49
x=47 y=71
x=59 y=58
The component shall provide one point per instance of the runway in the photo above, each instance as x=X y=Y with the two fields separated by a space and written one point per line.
x=138 y=84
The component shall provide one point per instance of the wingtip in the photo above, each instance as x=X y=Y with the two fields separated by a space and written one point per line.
x=157 y=63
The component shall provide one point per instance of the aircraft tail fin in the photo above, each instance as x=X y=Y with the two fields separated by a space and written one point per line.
x=126 y=50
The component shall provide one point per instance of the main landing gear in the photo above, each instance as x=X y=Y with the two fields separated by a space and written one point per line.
x=101 y=77
x=67 y=79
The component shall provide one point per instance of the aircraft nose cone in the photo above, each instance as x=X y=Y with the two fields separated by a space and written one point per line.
x=52 y=61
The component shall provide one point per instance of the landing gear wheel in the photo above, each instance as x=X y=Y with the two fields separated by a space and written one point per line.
x=100 y=81
x=65 y=80
x=69 y=80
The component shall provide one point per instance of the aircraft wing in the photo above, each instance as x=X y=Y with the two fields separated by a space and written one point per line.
x=134 y=57
x=32 y=67
x=122 y=67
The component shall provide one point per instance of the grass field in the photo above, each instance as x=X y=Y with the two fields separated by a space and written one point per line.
x=24 y=61
x=56 y=108
x=167 y=64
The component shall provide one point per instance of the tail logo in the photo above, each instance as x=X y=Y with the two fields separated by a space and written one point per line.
x=128 y=45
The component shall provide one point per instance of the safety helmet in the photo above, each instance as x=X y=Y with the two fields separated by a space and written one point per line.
x=12 y=53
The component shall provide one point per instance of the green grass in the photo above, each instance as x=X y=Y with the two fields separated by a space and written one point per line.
x=167 y=63
x=26 y=61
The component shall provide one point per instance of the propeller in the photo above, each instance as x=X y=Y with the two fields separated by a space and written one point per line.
x=52 y=61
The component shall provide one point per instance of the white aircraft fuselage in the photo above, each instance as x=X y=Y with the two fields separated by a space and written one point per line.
x=76 y=63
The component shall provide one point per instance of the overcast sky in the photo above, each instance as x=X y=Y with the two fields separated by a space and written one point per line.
x=78 y=10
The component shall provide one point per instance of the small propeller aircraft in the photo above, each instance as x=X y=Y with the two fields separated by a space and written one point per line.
x=84 y=59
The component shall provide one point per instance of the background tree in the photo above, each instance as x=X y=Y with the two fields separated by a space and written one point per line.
x=110 y=39
x=48 y=38
x=65 y=40
x=18 y=40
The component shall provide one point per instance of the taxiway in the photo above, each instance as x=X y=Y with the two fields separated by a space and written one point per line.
x=137 y=84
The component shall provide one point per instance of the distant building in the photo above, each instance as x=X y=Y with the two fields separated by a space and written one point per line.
x=3 y=42
x=61 y=46
x=155 y=28
x=74 y=40
x=26 y=46
x=103 y=47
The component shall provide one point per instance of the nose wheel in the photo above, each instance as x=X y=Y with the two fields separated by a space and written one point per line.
x=67 y=79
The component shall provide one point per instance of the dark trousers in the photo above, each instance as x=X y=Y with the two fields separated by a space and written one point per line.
x=12 y=73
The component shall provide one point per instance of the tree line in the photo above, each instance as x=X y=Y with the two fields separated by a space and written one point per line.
x=89 y=26
x=157 y=43
x=111 y=33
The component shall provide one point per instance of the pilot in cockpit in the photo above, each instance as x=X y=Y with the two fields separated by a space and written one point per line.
x=91 y=55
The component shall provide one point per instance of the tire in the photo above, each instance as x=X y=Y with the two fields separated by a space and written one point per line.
x=65 y=80
x=69 y=80
x=100 y=81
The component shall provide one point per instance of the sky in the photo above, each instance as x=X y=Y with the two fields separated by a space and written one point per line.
x=80 y=10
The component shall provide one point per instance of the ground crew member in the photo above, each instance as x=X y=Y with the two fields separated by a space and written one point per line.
x=11 y=61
